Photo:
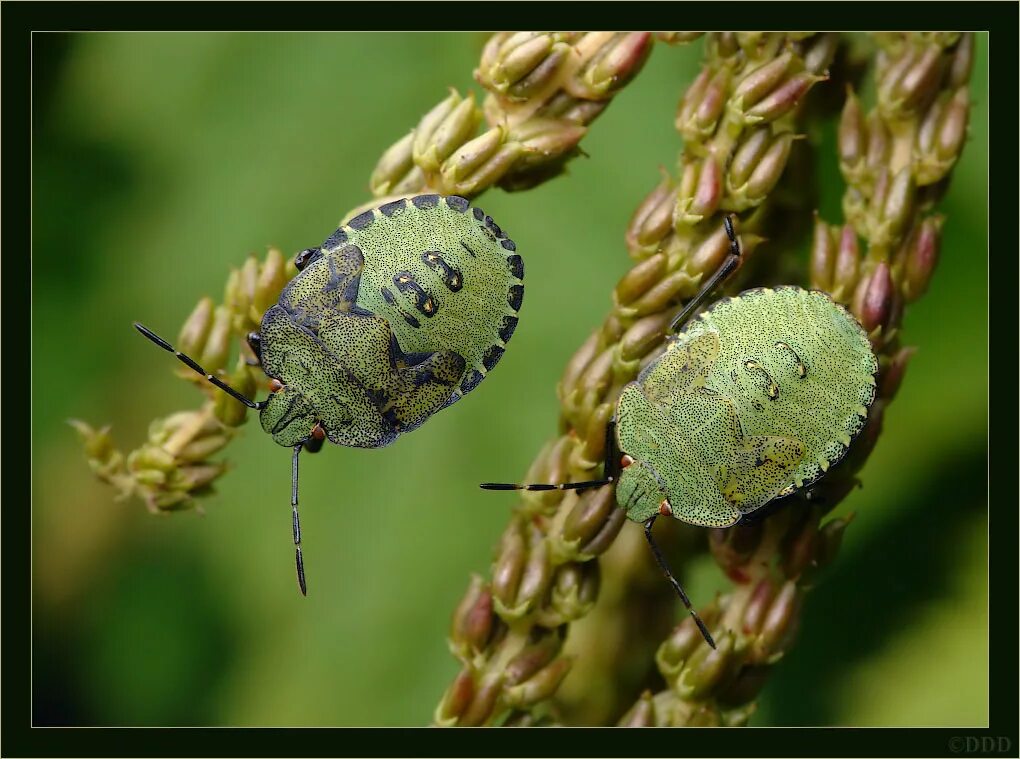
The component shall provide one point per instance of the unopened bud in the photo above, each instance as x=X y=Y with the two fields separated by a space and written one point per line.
x=705 y=192
x=783 y=99
x=532 y=658
x=539 y=687
x=456 y=699
x=394 y=167
x=874 y=301
x=615 y=64
x=480 y=162
x=703 y=104
x=920 y=258
x=780 y=624
x=706 y=668
x=194 y=333
x=852 y=139
x=473 y=619
x=652 y=221
x=759 y=83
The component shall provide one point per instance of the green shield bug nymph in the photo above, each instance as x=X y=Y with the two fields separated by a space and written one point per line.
x=756 y=398
x=398 y=314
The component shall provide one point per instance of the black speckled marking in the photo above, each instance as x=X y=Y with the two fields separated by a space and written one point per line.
x=425 y=201
x=471 y=381
x=494 y=227
x=471 y=253
x=457 y=203
x=516 y=266
x=408 y=285
x=451 y=276
x=390 y=298
x=478 y=213
x=362 y=220
x=491 y=356
x=488 y=233
x=335 y=239
x=388 y=209
x=507 y=330
x=508 y=244
x=515 y=297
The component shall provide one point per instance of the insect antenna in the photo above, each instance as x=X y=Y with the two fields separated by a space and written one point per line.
x=676 y=583
x=299 y=561
x=611 y=471
x=543 y=486
x=725 y=269
x=192 y=364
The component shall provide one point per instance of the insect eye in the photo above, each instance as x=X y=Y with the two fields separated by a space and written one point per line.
x=305 y=257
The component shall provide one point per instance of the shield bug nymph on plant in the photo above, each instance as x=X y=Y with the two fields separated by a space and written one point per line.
x=397 y=315
x=753 y=400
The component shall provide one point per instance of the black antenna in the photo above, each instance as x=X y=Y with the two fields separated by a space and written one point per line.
x=676 y=583
x=299 y=561
x=725 y=269
x=191 y=363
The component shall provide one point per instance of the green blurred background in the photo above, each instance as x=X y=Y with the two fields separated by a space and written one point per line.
x=160 y=160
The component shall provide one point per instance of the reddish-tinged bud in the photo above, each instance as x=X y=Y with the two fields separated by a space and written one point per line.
x=783 y=100
x=540 y=687
x=588 y=516
x=605 y=537
x=758 y=84
x=652 y=221
x=479 y=710
x=768 y=170
x=506 y=574
x=544 y=140
x=706 y=191
x=878 y=143
x=875 y=300
x=617 y=63
x=751 y=148
x=898 y=208
x=757 y=607
x=457 y=698
x=532 y=658
x=953 y=129
x=703 y=104
x=921 y=258
x=799 y=548
x=473 y=619
x=780 y=624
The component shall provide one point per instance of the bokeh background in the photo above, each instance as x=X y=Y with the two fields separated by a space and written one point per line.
x=161 y=160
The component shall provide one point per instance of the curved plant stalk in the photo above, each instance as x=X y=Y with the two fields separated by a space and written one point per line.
x=738 y=121
x=544 y=89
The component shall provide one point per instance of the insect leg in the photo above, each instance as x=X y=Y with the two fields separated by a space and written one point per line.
x=192 y=364
x=299 y=562
x=725 y=269
x=675 y=583
x=610 y=471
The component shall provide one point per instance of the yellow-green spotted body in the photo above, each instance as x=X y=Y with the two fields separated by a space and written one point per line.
x=397 y=315
x=757 y=397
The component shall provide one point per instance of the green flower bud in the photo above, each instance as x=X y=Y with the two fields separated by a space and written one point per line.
x=540 y=686
x=456 y=699
x=651 y=223
x=473 y=619
x=533 y=657
x=195 y=332
x=394 y=166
